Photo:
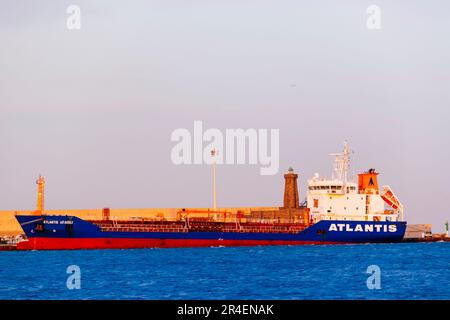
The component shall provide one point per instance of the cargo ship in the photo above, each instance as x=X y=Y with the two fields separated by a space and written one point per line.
x=335 y=211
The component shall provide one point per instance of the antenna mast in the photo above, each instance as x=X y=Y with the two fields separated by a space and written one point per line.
x=341 y=165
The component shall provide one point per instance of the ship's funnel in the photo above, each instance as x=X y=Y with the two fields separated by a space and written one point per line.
x=291 y=199
x=368 y=182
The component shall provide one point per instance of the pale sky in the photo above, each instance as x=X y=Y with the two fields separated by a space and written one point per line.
x=93 y=109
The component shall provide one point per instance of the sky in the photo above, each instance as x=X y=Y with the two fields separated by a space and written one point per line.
x=93 y=109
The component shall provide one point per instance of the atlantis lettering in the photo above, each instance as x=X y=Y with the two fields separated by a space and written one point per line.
x=57 y=222
x=360 y=228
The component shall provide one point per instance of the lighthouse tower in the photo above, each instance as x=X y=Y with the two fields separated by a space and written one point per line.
x=291 y=199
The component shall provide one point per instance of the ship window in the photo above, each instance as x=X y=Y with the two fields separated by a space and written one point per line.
x=339 y=187
x=345 y=208
x=357 y=208
x=333 y=187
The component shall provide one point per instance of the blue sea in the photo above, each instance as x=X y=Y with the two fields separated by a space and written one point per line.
x=404 y=271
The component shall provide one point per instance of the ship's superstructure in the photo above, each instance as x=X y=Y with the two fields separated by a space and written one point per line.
x=340 y=199
x=337 y=210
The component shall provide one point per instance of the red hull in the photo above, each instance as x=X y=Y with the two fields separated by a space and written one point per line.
x=115 y=243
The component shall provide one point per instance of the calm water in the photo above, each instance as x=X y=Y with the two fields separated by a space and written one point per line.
x=408 y=271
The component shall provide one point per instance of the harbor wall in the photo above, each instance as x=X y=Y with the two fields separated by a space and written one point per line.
x=10 y=227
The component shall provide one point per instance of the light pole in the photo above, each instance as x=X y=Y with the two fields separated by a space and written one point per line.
x=213 y=155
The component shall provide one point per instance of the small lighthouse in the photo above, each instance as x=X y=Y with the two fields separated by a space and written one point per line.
x=446 y=228
x=40 y=195
x=291 y=199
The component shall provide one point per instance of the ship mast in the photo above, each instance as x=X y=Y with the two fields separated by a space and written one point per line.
x=341 y=165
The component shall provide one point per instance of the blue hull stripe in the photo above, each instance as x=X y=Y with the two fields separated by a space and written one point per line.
x=323 y=231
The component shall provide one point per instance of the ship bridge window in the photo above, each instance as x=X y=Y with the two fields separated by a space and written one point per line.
x=317 y=188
